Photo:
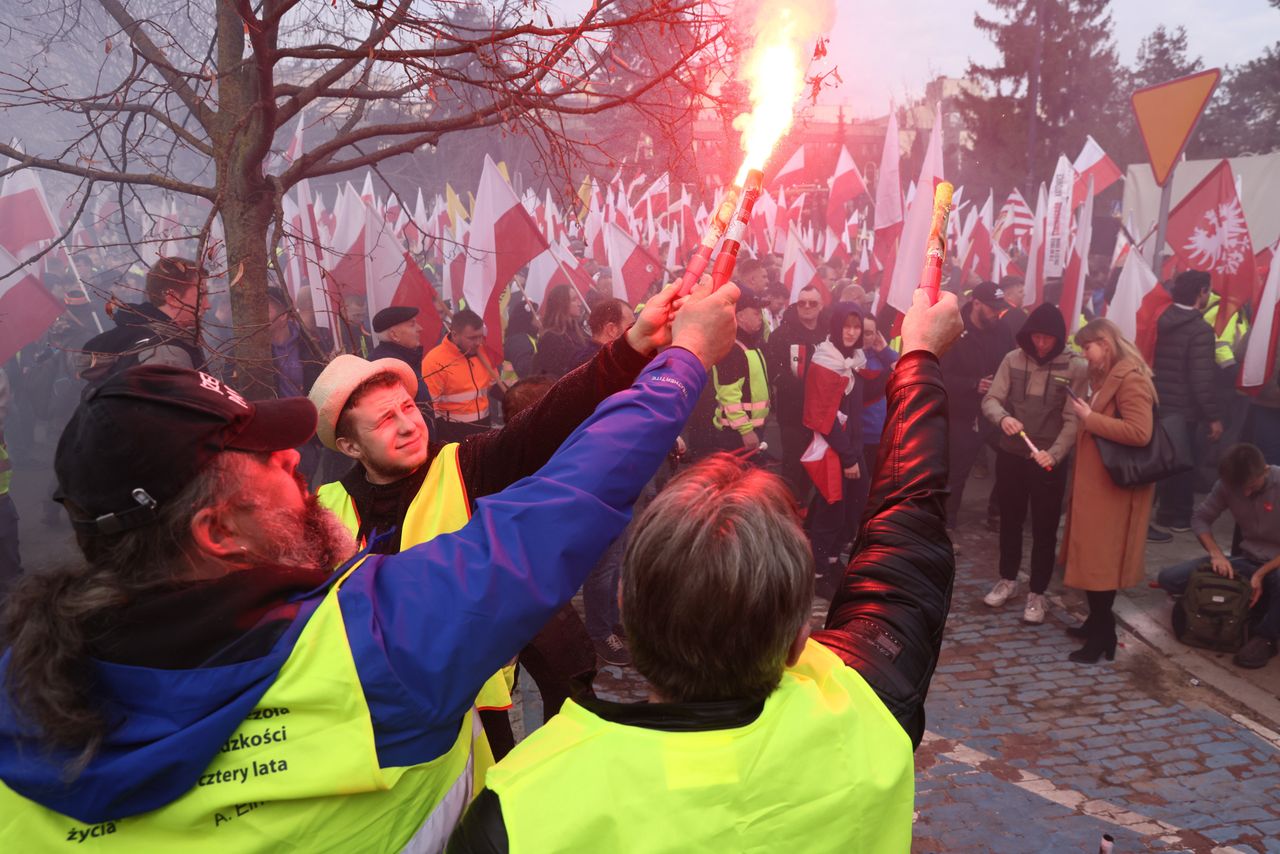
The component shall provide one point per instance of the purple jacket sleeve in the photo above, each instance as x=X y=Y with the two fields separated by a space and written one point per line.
x=428 y=626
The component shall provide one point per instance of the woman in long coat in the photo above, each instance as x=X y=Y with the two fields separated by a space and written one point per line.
x=1105 y=542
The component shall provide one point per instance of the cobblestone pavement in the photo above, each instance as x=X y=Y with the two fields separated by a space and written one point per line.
x=1028 y=752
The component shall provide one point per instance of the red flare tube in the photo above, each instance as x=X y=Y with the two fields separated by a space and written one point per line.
x=728 y=257
x=715 y=230
x=936 y=248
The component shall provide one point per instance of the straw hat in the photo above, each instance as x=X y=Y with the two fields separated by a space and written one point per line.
x=339 y=378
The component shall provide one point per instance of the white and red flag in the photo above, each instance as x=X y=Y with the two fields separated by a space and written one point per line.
x=634 y=268
x=1138 y=302
x=793 y=171
x=915 y=232
x=1033 y=293
x=25 y=215
x=845 y=186
x=798 y=267
x=829 y=376
x=1013 y=224
x=888 y=222
x=504 y=238
x=1077 y=269
x=26 y=308
x=1093 y=163
x=1207 y=231
x=1258 y=366
x=978 y=256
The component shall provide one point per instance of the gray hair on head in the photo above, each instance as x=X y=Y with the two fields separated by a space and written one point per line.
x=717 y=583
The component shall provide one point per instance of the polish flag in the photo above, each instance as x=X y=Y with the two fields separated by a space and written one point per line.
x=633 y=267
x=793 y=172
x=504 y=238
x=26 y=308
x=294 y=151
x=413 y=289
x=25 y=215
x=1033 y=293
x=845 y=186
x=1093 y=163
x=977 y=258
x=1077 y=268
x=798 y=268
x=1207 y=231
x=1257 y=369
x=655 y=199
x=915 y=231
x=454 y=262
x=824 y=386
x=556 y=266
x=418 y=226
x=888 y=224
x=593 y=229
x=763 y=223
x=345 y=261
x=781 y=220
x=823 y=467
x=1138 y=302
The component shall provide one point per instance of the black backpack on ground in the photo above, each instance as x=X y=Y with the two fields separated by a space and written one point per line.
x=1214 y=612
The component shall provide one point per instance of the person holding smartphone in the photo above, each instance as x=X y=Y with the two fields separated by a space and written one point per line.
x=1029 y=402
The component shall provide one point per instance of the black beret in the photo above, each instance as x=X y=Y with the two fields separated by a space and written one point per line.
x=393 y=316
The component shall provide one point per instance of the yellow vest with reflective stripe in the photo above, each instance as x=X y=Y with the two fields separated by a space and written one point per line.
x=440 y=507
x=743 y=406
x=300 y=773
x=6 y=467
x=825 y=767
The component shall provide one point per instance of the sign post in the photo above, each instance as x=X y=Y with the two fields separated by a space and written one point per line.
x=1167 y=114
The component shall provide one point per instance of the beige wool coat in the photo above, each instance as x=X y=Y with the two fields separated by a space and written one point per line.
x=1105 y=542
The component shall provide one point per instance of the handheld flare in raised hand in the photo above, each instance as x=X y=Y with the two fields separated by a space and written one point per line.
x=935 y=254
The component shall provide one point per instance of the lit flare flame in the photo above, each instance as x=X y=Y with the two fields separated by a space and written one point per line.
x=775 y=74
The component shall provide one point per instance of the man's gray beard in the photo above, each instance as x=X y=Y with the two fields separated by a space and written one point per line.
x=311 y=539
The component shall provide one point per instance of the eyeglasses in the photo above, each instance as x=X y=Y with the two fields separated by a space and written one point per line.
x=808 y=303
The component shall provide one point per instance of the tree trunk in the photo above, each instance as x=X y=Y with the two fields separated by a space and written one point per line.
x=246 y=221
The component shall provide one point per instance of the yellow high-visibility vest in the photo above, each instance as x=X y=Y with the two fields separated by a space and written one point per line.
x=743 y=405
x=825 y=767
x=300 y=773
x=440 y=507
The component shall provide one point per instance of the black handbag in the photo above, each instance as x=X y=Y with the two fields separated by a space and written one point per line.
x=1131 y=466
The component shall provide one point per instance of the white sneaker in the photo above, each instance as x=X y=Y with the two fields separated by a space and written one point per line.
x=1034 y=610
x=1001 y=593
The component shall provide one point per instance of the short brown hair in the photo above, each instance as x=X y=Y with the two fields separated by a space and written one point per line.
x=382 y=379
x=525 y=393
x=717 y=583
x=172 y=274
x=1240 y=464
x=608 y=311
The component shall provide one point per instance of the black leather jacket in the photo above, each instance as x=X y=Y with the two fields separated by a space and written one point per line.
x=887 y=618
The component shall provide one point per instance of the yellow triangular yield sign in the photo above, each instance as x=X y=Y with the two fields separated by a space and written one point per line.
x=1167 y=113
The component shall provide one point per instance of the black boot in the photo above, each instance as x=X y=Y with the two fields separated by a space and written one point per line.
x=1100 y=641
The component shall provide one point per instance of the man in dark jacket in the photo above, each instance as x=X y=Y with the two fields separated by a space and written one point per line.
x=968 y=370
x=787 y=355
x=743 y=695
x=400 y=337
x=163 y=330
x=1185 y=373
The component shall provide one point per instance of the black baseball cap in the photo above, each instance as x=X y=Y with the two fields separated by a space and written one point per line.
x=989 y=293
x=393 y=316
x=140 y=437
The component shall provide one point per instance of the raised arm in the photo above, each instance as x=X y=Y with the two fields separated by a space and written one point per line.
x=886 y=620
x=429 y=625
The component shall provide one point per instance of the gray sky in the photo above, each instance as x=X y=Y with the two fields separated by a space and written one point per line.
x=887 y=50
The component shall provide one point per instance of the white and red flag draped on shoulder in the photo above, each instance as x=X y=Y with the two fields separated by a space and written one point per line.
x=25 y=215
x=1207 y=231
x=1138 y=302
x=793 y=171
x=798 y=268
x=1093 y=163
x=504 y=238
x=915 y=230
x=26 y=308
x=978 y=257
x=828 y=378
x=1257 y=369
x=845 y=186
x=1033 y=293
x=634 y=268
x=1077 y=268
x=888 y=222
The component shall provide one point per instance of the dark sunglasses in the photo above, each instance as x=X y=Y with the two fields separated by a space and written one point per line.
x=808 y=303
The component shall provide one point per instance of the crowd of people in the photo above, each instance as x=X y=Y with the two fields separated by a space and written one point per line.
x=378 y=550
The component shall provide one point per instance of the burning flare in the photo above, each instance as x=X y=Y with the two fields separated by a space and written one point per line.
x=784 y=36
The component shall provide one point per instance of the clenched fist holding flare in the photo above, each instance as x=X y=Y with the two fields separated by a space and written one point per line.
x=936 y=249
